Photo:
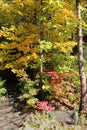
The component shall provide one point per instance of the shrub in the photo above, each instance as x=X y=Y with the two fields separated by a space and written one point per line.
x=44 y=105
x=2 y=87
x=82 y=119
x=43 y=121
x=28 y=90
x=65 y=88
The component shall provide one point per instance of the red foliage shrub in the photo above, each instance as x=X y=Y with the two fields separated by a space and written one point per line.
x=53 y=74
x=61 y=86
x=44 y=105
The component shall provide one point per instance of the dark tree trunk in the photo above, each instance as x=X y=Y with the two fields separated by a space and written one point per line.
x=83 y=96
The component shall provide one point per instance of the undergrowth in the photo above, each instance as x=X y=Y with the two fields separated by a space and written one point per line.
x=2 y=87
x=43 y=121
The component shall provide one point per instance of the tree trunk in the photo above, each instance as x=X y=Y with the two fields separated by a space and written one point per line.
x=83 y=96
x=41 y=52
x=41 y=38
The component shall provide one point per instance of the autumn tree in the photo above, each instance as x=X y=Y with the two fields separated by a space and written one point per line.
x=24 y=32
x=37 y=34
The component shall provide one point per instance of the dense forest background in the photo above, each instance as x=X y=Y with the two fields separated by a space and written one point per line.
x=39 y=50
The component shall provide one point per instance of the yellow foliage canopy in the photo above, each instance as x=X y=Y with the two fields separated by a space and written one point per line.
x=21 y=27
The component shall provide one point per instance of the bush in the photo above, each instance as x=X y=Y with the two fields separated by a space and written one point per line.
x=28 y=91
x=43 y=121
x=65 y=88
x=45 y=106
x=2 y=87
x=82 y=119
x=40 y=121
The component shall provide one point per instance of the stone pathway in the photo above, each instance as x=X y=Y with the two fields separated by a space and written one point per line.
x=10 y=117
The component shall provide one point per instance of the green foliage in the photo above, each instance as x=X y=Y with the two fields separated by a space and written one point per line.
x=28 y=90
x=45 y=45
x=2 y=87
x=42 y=121
x=47 y=89
x=62 y=62
x=82 y=119
x=85 y=58
x=84 y=17
x=65 y=63
x=74 y=84
x=85 y=51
